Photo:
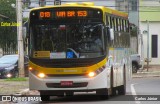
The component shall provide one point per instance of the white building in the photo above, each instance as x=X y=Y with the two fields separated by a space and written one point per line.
x=150 y=11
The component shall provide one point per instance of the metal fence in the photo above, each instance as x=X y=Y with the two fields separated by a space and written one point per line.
x=8 y=37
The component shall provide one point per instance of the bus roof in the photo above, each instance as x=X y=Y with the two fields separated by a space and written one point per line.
x=90 y=5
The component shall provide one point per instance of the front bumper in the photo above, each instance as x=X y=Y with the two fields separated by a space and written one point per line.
x=79 y=83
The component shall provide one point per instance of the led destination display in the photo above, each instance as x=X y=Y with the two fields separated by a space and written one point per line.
x=54 y=13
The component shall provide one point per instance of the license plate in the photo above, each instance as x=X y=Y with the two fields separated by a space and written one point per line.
x=66 y=83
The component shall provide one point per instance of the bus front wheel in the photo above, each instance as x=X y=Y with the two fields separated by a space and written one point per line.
x=103 y=93
x=122 y=88
x=44 y=96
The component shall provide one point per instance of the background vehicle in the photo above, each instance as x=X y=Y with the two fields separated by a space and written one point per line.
x=78 y=47
x=9 y=66
x=136 y=62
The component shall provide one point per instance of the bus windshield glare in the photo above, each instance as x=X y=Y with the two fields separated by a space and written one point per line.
x=84 y=40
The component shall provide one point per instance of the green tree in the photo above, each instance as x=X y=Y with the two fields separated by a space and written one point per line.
x=8 y=34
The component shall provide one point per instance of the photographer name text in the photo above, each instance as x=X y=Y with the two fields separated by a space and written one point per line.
x=146 y=98
x=8 y=24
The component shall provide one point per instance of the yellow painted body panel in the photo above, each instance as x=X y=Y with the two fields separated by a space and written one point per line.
x=75 y=70
x=41 y=54
x=111 y=48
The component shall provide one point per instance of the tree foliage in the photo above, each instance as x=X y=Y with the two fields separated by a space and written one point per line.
x=8 y=34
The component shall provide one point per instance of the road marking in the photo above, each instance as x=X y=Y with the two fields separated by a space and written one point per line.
x=133 y=91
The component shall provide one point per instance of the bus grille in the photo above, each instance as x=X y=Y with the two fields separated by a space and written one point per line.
x=67 y=75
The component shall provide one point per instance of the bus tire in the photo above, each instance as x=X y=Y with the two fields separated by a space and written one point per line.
x=113 y=90
x=122 y=89
x=103 y=93
x=44 y=96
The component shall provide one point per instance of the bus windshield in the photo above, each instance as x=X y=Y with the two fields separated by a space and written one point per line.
x=68 y=40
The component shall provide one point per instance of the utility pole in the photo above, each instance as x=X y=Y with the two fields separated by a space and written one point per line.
x=20 y=39
x=57 y=2
x=42 y=3
x=126 y=7
x=147 y=45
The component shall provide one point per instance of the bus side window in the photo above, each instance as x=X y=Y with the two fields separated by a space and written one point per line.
x=109 y=21
x=123 y=25
x=120 y=24
x=127 y=26
x=120 y=34
x=113 y=23
x=113 y=27
x=116 y=24
x=107 y=33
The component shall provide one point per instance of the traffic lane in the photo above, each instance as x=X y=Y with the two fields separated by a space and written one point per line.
x=147 y=86
x=142 y=86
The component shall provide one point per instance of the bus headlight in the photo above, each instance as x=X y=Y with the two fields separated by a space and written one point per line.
x=93 y=74
x=41 y=75
x=37 y=73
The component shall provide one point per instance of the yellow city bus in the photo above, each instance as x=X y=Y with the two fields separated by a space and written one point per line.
x=78 y=47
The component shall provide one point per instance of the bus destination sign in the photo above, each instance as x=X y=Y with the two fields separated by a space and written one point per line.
x=62 y=14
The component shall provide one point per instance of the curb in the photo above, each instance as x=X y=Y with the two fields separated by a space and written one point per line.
x=157 y=72
x=22 y=92
x=144 y=75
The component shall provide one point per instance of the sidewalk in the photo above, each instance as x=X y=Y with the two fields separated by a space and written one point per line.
x=12 y=87
x=15 y=88
x=153 y=71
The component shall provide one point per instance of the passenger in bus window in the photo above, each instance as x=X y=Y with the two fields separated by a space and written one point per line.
x=47 y=43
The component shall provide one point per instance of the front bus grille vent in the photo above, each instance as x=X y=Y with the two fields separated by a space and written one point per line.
x=66 y=75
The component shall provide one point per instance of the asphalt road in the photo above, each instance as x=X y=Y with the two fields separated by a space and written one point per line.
x=136 y=89
x=147 y=86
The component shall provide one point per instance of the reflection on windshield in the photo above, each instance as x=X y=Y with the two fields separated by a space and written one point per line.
x=8 y=59
x=69 y=41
